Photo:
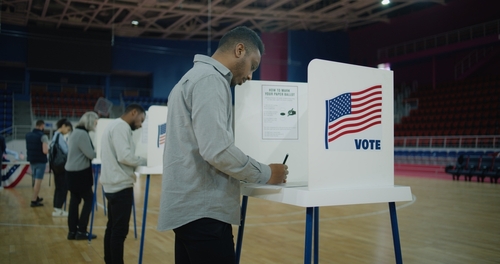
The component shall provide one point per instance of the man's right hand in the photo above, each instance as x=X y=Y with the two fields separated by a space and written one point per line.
x=279 y=173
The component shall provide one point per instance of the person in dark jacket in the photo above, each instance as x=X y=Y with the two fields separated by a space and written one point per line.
x=37 y=145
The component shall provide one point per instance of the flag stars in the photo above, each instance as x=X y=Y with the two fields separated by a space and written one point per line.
x=339 y=106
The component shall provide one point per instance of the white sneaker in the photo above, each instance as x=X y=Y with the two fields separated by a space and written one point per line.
x=59 y=213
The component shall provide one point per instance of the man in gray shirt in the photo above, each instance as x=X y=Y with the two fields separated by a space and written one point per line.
x=202 y=168
x=117 y=178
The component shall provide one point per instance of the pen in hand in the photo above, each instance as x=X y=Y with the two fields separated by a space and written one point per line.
x=286 y=170
x=286 y=157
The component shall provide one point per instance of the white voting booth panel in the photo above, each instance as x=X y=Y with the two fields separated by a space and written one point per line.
x=356 y=148
x=270 y=122
x=153 y=139
x=149 y=140
x=343 y=142
x=102 y=123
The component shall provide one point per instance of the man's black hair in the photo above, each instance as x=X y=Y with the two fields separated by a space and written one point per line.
x=137 y=107
x=243 y=35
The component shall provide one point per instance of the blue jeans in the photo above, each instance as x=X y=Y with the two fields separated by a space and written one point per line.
x=38 y=170
x=119 y=211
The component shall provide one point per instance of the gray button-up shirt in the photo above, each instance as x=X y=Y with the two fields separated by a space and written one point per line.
x=202 y=168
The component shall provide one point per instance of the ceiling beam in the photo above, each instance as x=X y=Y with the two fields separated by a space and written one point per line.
x=95 y=14
x=219 y=17
x=115 y=15
x=201 y=11
x=45 y=7
x=63 y=13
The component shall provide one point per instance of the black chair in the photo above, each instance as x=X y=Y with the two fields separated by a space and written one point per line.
x=494 y=172
x=457 y=169
x=486 y=165
x=472 y=168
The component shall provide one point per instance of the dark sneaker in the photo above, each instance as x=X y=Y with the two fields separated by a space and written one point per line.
x=36 y=204
x=39 y=199
x=71 y=235
x=84 y=236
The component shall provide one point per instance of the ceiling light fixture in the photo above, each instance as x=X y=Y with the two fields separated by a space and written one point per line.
x=135 y=22
x=386 y=2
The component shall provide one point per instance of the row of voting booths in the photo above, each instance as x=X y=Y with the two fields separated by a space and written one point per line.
x=337 y=130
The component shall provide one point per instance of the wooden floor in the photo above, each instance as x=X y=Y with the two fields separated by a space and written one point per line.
x=447 y=222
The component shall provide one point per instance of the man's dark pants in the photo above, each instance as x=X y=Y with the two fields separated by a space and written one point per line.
x=204 y=241
x=119 y=211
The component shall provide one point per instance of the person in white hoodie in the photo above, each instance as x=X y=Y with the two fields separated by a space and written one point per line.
x=117 y=177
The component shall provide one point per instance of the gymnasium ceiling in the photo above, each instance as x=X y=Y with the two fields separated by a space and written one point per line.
x=190 y=19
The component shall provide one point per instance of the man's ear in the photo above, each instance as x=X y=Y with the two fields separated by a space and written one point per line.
x=239 y=50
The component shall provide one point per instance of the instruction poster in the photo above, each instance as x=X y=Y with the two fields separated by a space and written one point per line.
x=279 y=112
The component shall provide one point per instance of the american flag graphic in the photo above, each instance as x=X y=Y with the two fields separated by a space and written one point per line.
x=162 y=131
x=353 y=112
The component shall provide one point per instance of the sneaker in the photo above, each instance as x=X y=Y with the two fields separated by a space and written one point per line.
x=59 y=213
x=39 y=199
x=71 y=235
x=36 y=204
x=84 y=236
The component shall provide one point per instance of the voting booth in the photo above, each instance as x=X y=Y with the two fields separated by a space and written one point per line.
x=149 y=139
x=338 y=131
x=337 y=128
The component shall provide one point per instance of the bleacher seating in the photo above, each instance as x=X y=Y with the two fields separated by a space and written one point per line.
x=455 y=109
x=68 y=102
x=65 y=104
x=457 y=116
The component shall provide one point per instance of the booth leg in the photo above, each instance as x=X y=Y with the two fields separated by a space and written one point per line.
x=135 y=222
x=395 y=233
x=241 y=228
x=316 y=235
x=104 y=200
x=96 y=169
x=309 y=234
x=146 y=194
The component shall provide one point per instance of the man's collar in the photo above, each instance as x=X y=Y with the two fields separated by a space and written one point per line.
x=217 y=65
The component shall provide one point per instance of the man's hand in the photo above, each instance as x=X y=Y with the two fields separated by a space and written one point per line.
x=278 y=173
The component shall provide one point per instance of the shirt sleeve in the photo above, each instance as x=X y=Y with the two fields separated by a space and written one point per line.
x=45 y=139
x=211 y=108
x=63 y=144
x=85 y=146
x=121 y=137
x=13 y=153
